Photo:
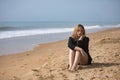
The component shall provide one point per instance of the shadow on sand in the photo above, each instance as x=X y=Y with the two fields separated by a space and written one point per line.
x=100 y=65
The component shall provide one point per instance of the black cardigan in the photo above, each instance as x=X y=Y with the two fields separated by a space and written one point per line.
x=82 y=44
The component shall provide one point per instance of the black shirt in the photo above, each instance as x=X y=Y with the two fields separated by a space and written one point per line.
x=72 y=43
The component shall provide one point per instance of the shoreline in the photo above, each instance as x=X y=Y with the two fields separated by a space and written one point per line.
x=49 y=61
x=22 y=44
x=26 y=43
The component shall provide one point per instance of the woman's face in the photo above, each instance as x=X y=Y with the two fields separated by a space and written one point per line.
x=79 y=32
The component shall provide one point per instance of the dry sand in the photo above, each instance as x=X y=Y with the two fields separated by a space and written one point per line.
x=49 y=61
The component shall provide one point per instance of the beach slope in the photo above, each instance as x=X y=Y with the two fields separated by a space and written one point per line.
x=49 y=61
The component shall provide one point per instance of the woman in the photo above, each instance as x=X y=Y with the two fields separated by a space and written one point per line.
x=78 y=48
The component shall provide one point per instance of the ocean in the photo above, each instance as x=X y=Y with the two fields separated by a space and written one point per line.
x=18 y=37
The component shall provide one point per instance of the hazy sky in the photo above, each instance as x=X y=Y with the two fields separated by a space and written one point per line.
x=60 y=10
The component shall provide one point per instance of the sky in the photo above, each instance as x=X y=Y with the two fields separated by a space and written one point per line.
x=60 y=10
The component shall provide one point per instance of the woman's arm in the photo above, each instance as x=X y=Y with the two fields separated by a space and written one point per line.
x=71 y=43
x=79 y=49
x=86 y=46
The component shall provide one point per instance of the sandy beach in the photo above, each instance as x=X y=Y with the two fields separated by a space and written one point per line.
x=49 y=61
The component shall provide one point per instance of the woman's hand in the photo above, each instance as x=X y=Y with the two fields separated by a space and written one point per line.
x=80 y=49
x=81 y=37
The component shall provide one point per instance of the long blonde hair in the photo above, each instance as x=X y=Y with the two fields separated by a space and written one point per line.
x=74 y=35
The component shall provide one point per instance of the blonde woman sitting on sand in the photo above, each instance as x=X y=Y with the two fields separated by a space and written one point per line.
x=78 y=48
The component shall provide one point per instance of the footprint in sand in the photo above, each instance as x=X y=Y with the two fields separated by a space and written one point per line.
x=16 y=78
x=110 y=40
x=36 y=75
x=63 y=75
x=77 y=74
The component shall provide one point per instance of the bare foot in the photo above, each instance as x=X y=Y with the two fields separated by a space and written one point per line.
x=69 y=67
x=72 y=71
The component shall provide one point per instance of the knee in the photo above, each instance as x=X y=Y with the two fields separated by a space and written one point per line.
x=78 y=52
x=71 y=51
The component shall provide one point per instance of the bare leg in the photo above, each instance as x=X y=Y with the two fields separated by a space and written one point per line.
x=84 y=58
x=80 y=57
x=71 y=58
x=77 y=60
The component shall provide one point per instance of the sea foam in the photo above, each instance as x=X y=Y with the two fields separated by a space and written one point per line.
x=39 y=31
